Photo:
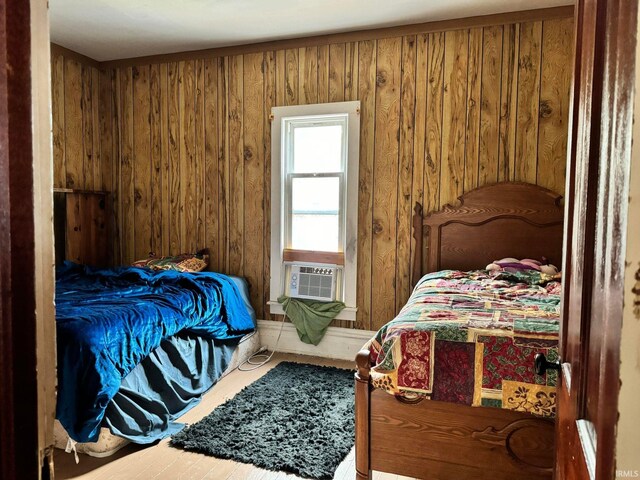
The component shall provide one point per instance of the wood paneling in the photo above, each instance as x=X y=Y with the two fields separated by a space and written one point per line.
x=126 y=185
x=405 y=168
x=254 y=179
x=528 y=101
x=156 y=150
x=175 y=211
x=441 y=113
x=85 y=131
x=385 y=179
x=554 y=105
x=212 y=239
x=142 y=161
x=81 y=228
x=433 y=133
x=490 y=105
x=83 y=149
x=508 y=99
x=456 y=61
x=367 y=63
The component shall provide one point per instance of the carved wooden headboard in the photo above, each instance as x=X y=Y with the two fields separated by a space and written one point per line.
x=507 y=219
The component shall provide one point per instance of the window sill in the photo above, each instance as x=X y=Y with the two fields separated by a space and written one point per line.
x=348 y=313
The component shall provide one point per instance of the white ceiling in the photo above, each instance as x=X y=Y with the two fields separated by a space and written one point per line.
x=115 y=29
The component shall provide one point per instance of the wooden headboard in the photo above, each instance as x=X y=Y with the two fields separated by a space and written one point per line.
x=507 y=219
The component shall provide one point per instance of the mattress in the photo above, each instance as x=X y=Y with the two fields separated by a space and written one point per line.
x=471 y=338
x=108 y=443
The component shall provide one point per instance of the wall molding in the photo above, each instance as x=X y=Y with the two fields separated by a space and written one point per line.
x=338 y=343
x=539 y=14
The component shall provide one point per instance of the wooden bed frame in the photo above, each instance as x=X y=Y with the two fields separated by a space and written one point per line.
x=445 y=441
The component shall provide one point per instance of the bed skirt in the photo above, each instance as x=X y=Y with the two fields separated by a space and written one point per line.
x=109 y=443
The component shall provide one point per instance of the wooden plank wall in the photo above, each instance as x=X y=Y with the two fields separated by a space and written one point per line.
x=441 y=113
x=84 y=130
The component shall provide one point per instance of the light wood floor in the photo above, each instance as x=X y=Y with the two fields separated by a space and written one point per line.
x=161 y=461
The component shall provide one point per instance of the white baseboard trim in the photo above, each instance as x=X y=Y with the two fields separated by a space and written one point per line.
x=338 y=343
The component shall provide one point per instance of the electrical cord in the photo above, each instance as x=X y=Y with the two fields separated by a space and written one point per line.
x=259 y=354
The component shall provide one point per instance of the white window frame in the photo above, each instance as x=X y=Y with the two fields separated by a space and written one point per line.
x=279 y=203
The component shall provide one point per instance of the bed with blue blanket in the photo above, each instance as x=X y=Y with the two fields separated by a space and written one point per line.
x=138 y=348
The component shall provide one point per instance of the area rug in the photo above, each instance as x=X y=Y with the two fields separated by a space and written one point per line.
x=297 y=418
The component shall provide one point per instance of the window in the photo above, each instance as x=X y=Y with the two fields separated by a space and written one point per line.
x=314 y=199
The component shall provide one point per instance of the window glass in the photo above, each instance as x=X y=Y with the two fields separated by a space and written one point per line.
x=317 y=148
x=315 y=213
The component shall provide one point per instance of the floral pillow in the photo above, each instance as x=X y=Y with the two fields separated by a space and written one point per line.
x=185 y=262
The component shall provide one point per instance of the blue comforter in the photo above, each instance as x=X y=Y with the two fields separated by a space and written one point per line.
x=109 y=320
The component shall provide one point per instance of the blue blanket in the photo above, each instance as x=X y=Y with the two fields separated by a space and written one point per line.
x=109 y=320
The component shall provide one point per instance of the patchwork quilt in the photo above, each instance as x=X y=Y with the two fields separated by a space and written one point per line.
x=471 y=338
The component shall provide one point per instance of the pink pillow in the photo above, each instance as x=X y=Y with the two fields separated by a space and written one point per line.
x=513 y=264
x=517 y=264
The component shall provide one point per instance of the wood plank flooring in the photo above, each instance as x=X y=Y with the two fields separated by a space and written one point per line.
x=164 y=462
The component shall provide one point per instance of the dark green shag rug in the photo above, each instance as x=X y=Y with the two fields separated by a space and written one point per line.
x=297 y=418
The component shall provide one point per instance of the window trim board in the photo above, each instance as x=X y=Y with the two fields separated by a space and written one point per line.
x=278 y=234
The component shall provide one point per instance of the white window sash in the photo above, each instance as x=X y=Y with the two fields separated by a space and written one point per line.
x=288 y=205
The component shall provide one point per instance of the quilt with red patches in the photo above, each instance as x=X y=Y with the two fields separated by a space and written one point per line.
x=471 y=338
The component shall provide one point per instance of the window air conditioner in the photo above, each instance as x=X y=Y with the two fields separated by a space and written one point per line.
x=313 y=282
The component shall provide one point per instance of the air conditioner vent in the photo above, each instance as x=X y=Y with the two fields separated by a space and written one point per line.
x=313 y=282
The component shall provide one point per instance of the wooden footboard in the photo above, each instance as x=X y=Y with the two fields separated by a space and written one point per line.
x=443 y=441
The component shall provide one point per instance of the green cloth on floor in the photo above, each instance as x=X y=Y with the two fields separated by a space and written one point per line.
x=310 y=317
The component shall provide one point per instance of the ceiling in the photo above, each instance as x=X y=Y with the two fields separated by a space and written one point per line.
x=115 y=29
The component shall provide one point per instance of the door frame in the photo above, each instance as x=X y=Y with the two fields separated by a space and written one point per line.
x=598 y=176
x=27 y=320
